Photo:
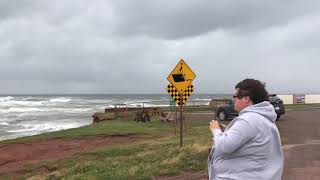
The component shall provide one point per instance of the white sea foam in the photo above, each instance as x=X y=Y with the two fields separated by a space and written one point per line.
x=135 y=105
x=19 y=109
x=109 y=106
x=4 y=123
x=75 y=110
x=3 y=99
x=28 y=128
x=96 y=107
x=37 y=110
x=197 y=99
x=60 y=100
x=22 y=103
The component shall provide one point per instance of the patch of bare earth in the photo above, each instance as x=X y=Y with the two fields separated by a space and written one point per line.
x=13 y=157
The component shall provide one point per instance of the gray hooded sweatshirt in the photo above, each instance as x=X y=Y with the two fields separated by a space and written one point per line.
x=249 y=148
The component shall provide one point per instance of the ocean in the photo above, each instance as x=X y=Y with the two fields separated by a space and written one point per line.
x=25 y=115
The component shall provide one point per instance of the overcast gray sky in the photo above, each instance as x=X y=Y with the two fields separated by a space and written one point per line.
x=126 y=46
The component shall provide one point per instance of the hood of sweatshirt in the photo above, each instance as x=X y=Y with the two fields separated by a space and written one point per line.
x=264 y=108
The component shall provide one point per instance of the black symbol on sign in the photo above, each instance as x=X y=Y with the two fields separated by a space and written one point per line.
x=180 y=76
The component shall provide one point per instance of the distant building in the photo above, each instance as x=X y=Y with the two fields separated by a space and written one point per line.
x=299 y=98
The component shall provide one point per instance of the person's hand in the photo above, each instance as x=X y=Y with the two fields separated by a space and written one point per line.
x=214 y=124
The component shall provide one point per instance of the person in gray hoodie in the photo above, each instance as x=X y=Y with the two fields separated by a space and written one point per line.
x=250 y=147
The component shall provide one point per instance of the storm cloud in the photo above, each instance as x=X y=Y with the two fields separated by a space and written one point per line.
x=131 y=46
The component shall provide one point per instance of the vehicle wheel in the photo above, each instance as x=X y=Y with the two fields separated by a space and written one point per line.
x=222 y=116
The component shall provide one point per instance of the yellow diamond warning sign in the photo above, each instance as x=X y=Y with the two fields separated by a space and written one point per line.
x=181 y=76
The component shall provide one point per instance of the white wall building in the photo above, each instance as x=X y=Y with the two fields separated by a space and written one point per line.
x=286 y=98
x=312 y=98
x=299 y=98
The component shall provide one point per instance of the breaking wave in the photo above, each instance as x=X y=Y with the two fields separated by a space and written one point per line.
x=23 y=115
x=60 y=100
x=3 y=99
x=35 y=109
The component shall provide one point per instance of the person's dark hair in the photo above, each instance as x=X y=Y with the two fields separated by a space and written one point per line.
x=255 y=89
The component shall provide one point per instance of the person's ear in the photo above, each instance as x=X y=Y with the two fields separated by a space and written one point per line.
x=247 y=99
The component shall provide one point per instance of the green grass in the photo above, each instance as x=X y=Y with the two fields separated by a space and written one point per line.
x=121 y=126
x=301 y=106
x=156 y=156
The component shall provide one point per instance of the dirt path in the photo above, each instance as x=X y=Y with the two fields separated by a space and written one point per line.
x=302 y=154
x=14 y=157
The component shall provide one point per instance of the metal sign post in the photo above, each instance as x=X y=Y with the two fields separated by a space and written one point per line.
x=185 y=117
x=181 y=119
x=180 y=88
x=175 y=119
